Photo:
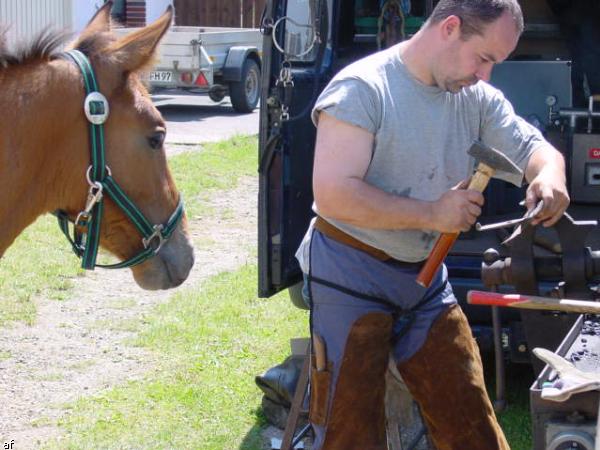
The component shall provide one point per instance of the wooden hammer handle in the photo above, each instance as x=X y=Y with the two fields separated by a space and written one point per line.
x=436 y=258
x=440 y=250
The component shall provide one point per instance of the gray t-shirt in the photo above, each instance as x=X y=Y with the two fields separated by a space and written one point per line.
x=422 y=135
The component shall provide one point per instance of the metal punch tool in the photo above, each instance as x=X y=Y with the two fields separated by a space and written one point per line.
x=518 y=223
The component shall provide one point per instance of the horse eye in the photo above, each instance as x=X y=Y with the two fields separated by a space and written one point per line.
x=156 y=140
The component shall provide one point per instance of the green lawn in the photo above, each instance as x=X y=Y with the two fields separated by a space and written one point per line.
x=218 y=166
x=40 y=262
x=515 y=420
x=212 y=342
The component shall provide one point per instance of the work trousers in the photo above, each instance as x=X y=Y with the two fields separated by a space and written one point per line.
x=363 y=309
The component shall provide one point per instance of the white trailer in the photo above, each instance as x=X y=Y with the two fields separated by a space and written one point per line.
x=212 y=60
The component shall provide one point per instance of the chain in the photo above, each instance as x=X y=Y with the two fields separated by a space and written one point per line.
x=286 y=82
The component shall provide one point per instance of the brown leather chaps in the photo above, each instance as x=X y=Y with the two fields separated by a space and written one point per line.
x=445 y=377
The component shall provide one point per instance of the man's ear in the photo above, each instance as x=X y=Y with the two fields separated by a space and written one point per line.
x=136 y=50
x=450 y=27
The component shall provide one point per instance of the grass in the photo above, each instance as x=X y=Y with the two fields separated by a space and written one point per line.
x=218 y=166
x=41 y=263
x=515 y=420
x=212 y=342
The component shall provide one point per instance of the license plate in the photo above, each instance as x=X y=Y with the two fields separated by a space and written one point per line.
x=162 y=76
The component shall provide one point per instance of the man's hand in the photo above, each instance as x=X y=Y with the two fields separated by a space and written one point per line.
x=545 y=172
x=456 y=210
x=549 y=185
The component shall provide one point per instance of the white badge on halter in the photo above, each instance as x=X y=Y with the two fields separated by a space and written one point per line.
x=96 y=108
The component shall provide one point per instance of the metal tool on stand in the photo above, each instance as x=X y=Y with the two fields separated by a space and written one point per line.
x=519 y=223
x=490 y=256
x=574 y=273
x=575 y=266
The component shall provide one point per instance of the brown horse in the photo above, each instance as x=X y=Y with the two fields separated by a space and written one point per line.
x=44 y=143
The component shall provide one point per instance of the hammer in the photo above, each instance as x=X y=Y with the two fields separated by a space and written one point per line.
x=489 y=162
x=533 y=302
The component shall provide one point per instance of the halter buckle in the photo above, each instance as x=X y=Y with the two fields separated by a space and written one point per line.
x=96 y=109
x=156 y=234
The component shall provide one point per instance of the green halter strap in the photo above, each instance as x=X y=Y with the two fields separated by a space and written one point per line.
x=85 y=244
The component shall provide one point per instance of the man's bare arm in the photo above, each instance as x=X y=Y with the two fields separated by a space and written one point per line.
x=546 y=173
x=342 y=156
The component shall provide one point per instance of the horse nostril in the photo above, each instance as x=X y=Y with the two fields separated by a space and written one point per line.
x=179 y=271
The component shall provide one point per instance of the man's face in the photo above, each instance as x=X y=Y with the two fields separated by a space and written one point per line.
x=465 y=62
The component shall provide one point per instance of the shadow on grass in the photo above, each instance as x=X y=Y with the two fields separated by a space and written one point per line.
x=254 y=439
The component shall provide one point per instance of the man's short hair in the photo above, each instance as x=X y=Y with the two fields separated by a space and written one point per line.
x=474 y=15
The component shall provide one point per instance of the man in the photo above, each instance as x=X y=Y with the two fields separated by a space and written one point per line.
x=392 y=135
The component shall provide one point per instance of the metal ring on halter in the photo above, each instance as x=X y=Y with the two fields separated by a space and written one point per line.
x=89 y=179
x=157 y=234
x=298 y=55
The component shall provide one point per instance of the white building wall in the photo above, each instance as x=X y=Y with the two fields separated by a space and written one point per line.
x=26 y=18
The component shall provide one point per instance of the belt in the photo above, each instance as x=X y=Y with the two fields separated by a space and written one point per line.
x=333 y=232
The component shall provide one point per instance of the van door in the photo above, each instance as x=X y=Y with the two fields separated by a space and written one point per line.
x=295 y=50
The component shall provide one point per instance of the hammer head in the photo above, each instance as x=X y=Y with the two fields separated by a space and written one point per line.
x=495 y=159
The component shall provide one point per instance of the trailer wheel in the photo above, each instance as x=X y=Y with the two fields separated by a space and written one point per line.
x=246 y=92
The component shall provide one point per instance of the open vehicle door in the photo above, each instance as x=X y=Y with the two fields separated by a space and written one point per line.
x=294 y=50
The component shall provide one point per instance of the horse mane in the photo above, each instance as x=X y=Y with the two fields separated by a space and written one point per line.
x=47 y=44
x=43 y=48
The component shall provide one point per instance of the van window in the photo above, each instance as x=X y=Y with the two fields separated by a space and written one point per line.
x=301 y=30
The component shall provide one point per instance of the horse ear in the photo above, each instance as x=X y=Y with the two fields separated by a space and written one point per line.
x=136 y=50
x=99 y=23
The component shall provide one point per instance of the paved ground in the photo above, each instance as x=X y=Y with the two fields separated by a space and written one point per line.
x=195 y=118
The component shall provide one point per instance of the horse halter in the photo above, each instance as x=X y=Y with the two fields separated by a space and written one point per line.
x=85 y=244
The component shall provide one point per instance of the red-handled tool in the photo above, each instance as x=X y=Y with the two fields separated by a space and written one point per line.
x=532 y=302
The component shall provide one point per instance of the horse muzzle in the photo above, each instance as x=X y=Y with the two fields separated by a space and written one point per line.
x=170 y=267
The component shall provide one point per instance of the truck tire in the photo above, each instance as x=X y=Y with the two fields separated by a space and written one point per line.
x=245 y=93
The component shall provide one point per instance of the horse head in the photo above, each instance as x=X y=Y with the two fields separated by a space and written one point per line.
x=45 y=142
x=134 y=150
